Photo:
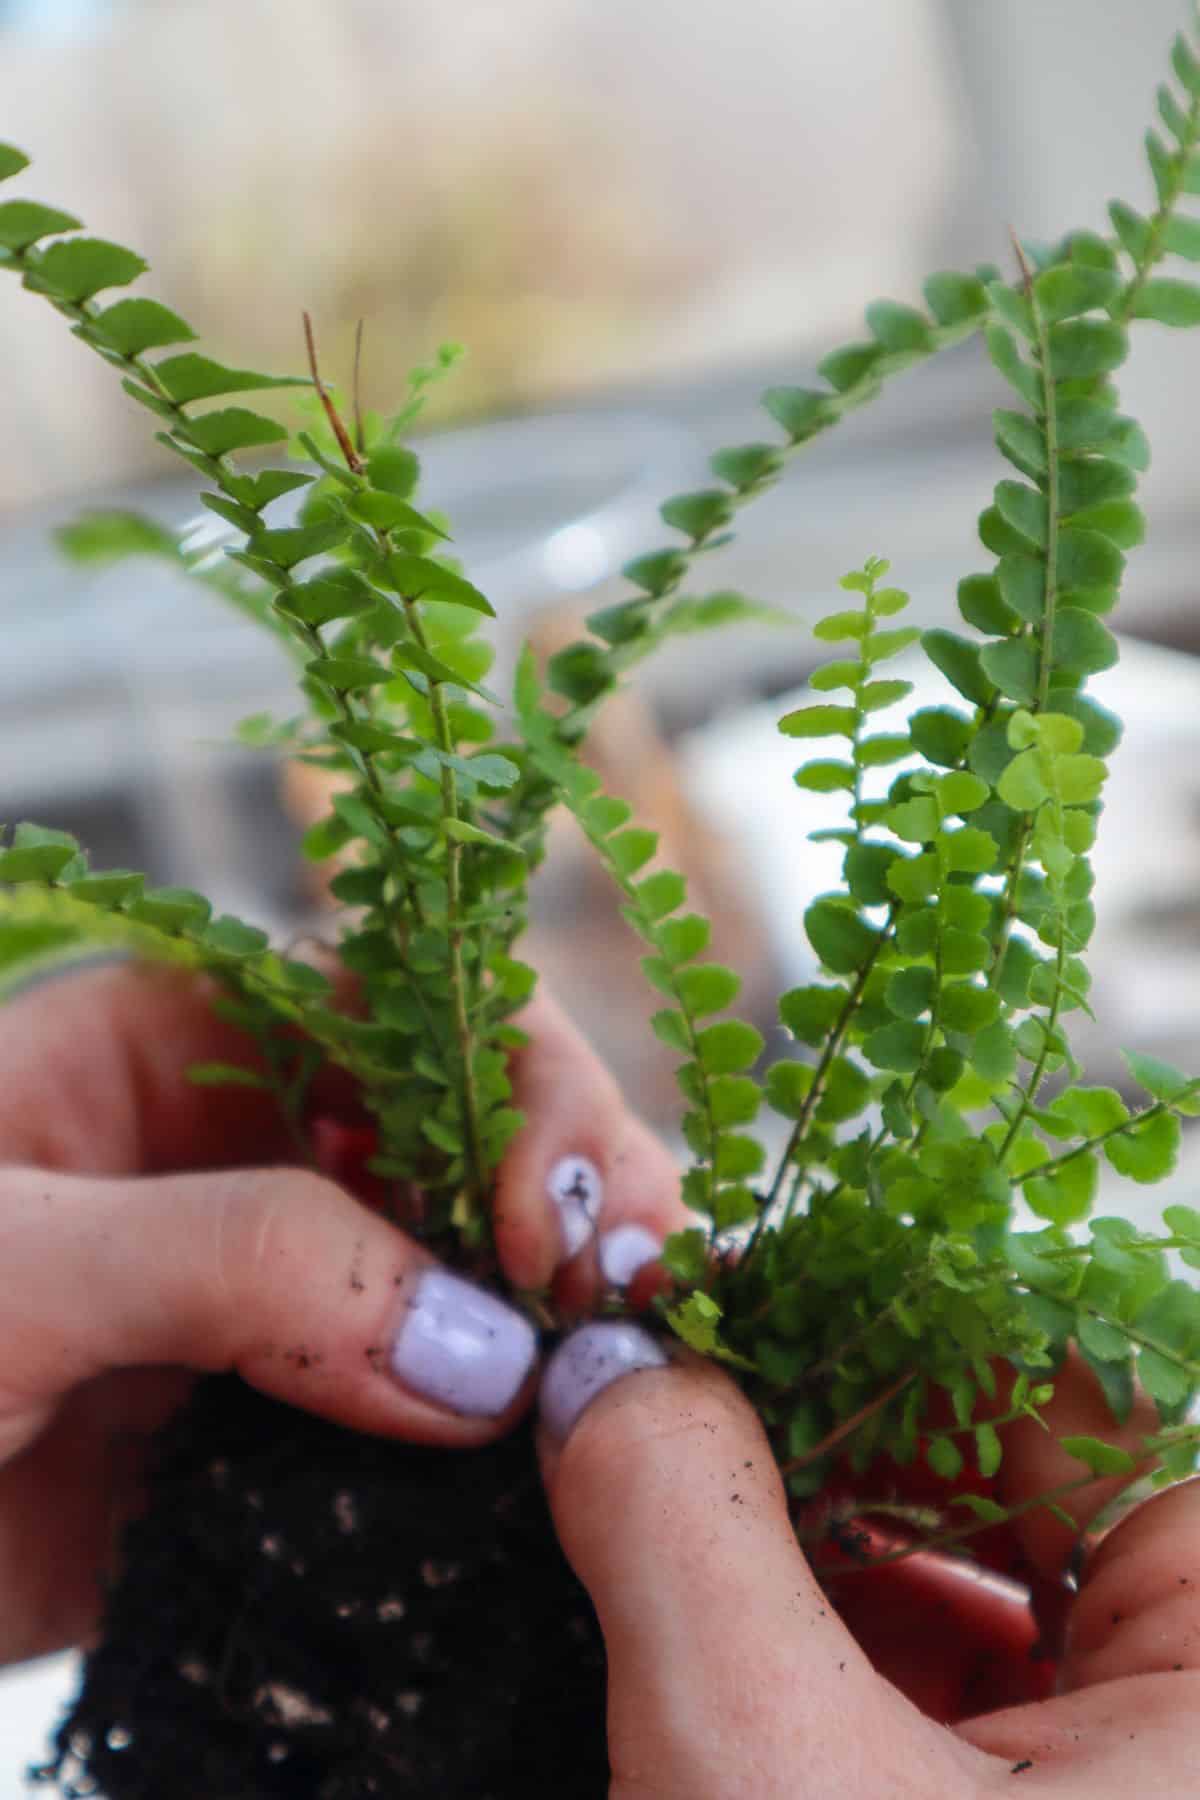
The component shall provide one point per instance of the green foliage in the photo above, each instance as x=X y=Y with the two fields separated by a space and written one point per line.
x=865 y=1280
x=713 y=1075
x=1100 y=1458
x=952 y=952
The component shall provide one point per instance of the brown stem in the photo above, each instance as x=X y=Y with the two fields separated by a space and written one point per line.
x=360 y=436
x=847 y=1426
x=944 y=1540
x=353 y=459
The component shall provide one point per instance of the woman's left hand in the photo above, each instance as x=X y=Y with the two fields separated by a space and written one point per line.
x=151 y=1229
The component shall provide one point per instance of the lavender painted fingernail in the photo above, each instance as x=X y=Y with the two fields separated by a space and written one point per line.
x=461 y=1347
x=587 y=1362
x=576 y=1188
x=624 y=1250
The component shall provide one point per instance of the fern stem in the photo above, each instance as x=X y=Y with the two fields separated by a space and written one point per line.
x=622 y=657
x=1009 y=905
x=833 y=1044
x=454 y=922
x=375 y=797
x=846 y=1427
x=942 y=1540
x=912 y=1282
x=1045 y=664
x=1156 y=247
x=1050 y=432
x=1030 y=1091
x=1102 y=1137
x=1188 y=1365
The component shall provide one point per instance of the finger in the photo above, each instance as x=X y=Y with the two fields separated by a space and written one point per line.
x=1037 y=1547
x=726 y=1662
x=1138 y=1608
x=585 y=1189
x=1034 y=1463
x=275 y=1273
x=1124 y=1720
x=93 y=1077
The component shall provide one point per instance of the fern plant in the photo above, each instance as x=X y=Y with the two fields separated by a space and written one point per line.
x=870 y=1290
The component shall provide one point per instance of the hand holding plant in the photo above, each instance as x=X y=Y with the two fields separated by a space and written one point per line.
x=152 y=1232
x=872 y=1283
x=730 y=1672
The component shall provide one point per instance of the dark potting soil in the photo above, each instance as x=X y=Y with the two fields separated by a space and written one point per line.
x=309 y=1614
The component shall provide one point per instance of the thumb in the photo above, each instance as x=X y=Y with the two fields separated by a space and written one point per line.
x=729 y=1671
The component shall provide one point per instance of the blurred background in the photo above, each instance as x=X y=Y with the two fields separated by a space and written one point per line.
x=636 y=216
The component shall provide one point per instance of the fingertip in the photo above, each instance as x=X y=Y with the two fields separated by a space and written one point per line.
x=583 y=1167
x=458 y=1346
x=586 y=1363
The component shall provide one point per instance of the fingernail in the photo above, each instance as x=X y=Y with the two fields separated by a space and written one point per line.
x=461 y=1347
x=624 y=1250
x=575 y=1186
x=587 y=1362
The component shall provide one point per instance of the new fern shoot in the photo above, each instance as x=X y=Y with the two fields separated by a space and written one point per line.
x=873 y=1291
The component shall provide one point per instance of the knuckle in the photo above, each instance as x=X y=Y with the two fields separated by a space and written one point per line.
x=260 y=1224
x=624 y=1434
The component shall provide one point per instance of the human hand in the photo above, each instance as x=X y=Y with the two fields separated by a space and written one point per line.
x=732 y=1674
x=150 y=1230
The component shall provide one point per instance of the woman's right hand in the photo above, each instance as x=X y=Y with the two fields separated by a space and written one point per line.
x=732 y=1675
